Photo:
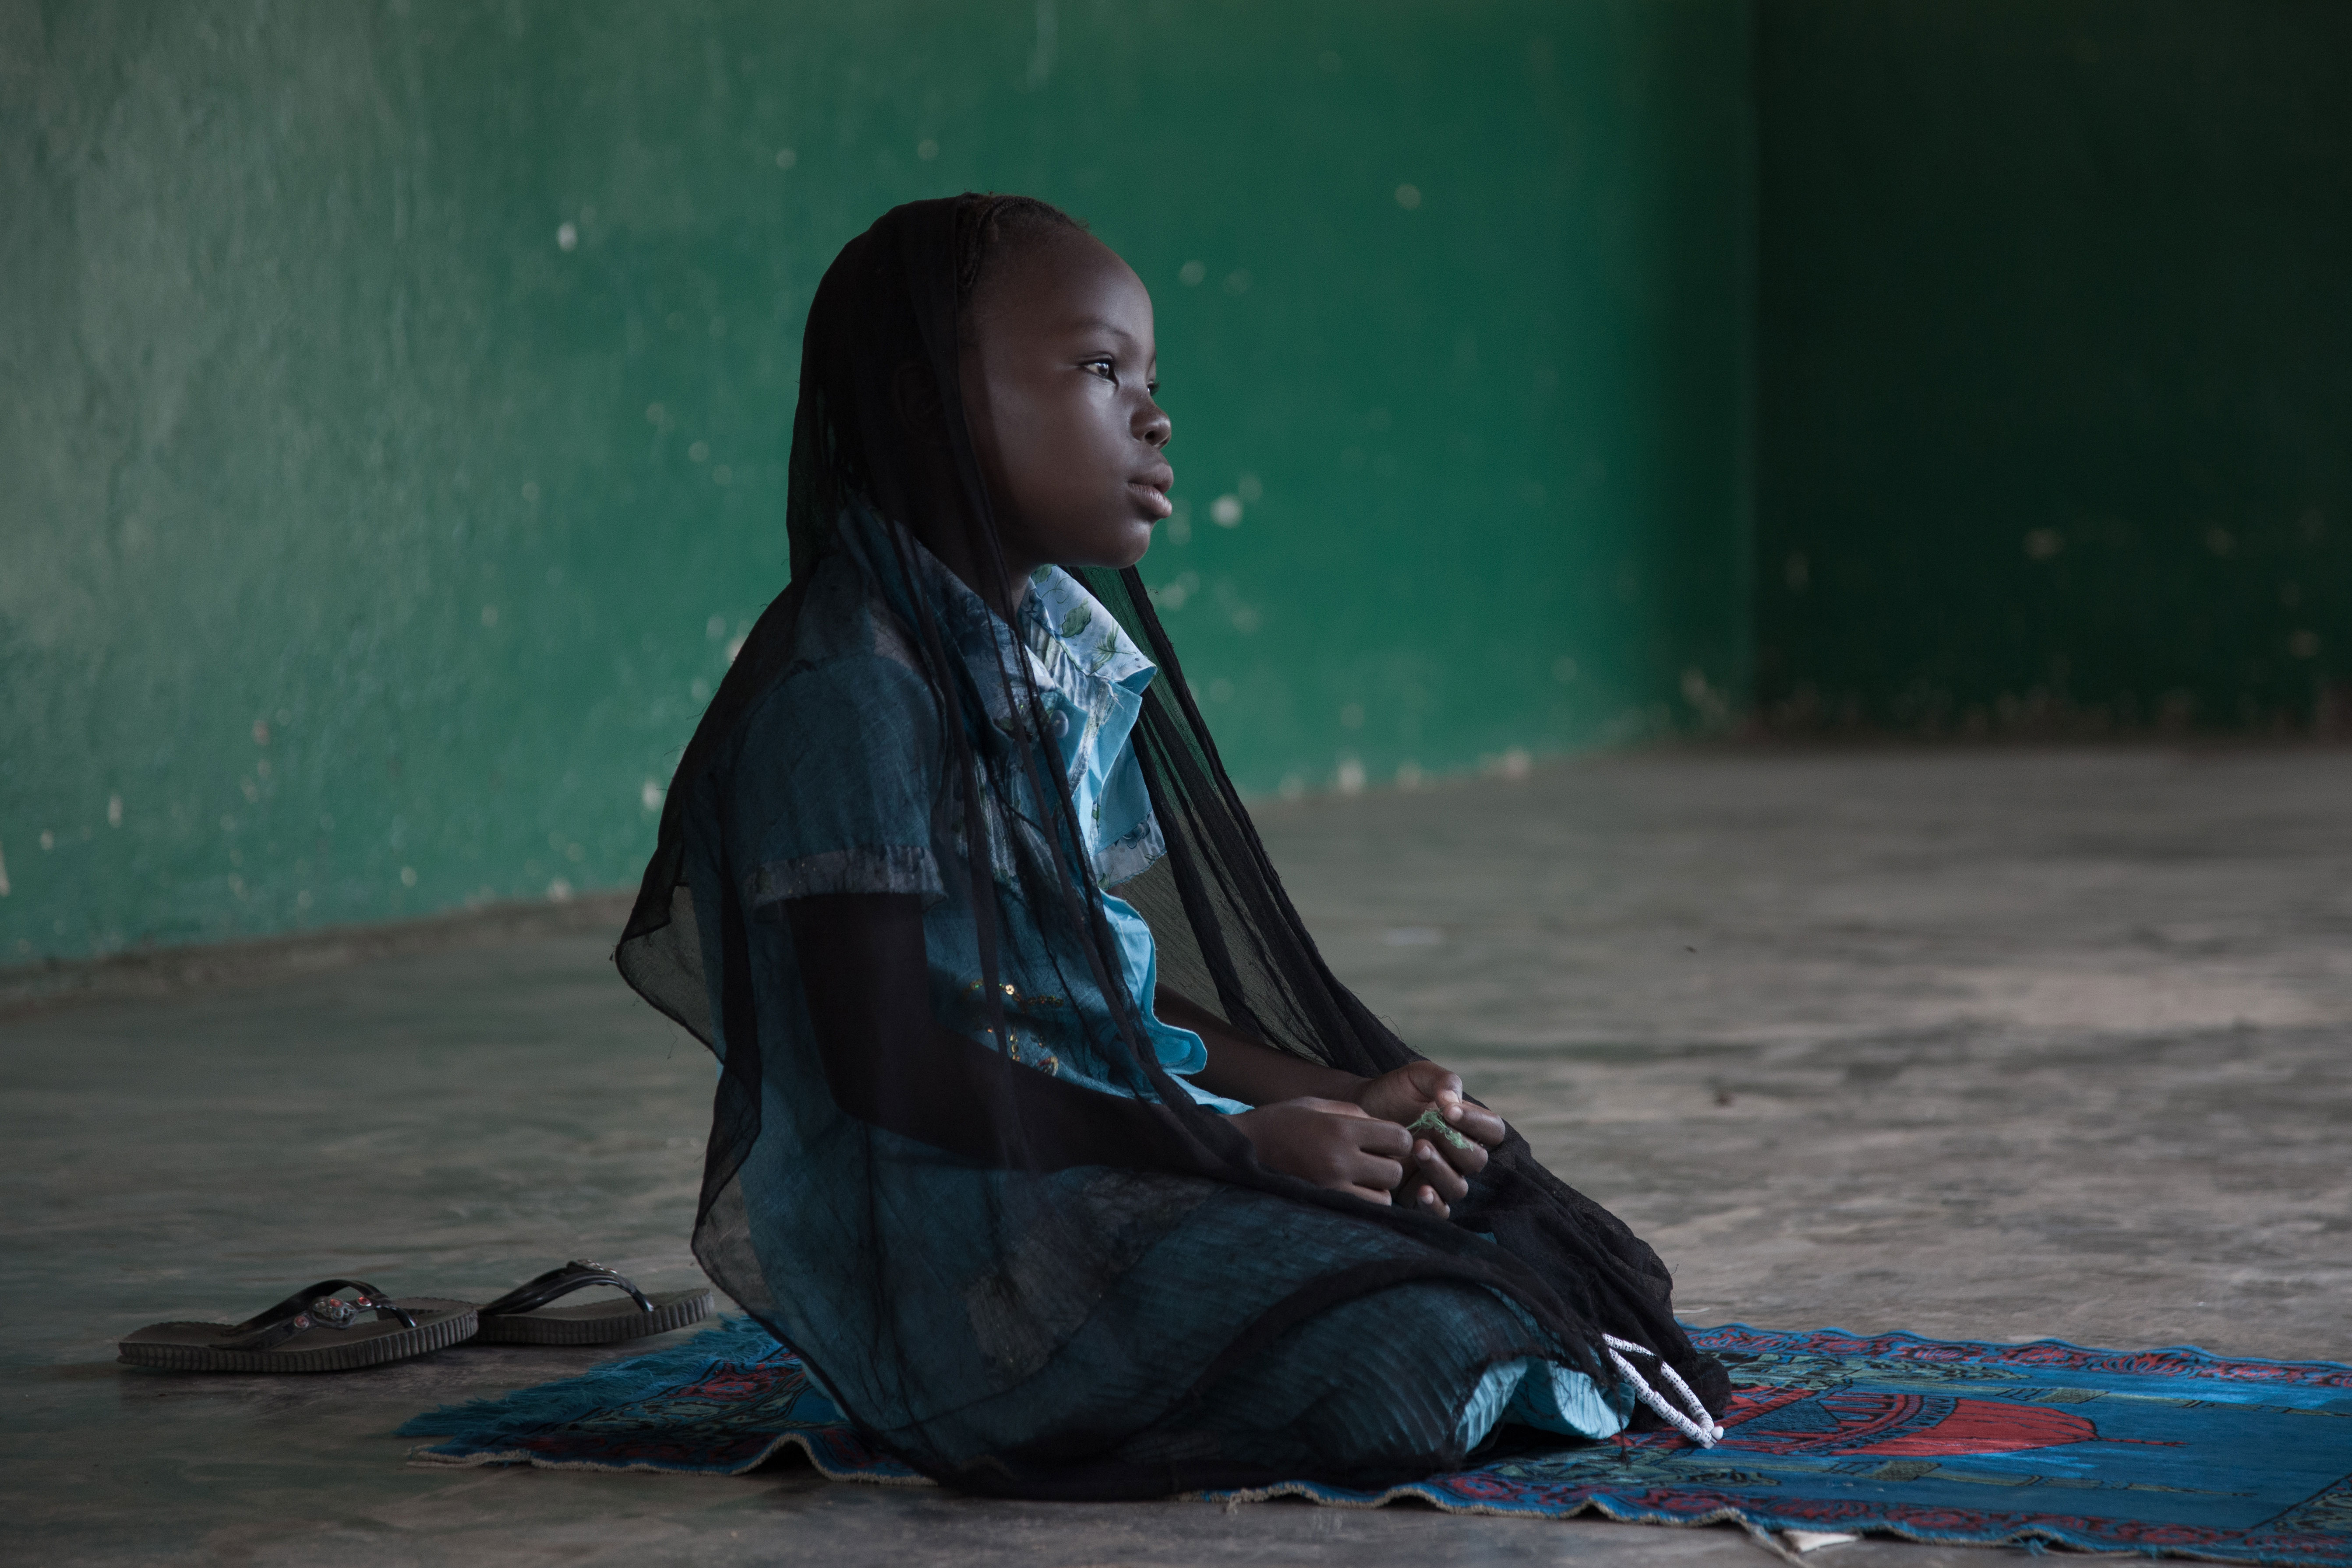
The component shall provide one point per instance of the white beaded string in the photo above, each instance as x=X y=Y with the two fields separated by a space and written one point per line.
x=1701 y=1431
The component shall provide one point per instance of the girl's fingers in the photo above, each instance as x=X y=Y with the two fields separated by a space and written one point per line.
x=1428 y=1201
x=1469 y=1161
x=1434 y=1169
x=1477 y=1122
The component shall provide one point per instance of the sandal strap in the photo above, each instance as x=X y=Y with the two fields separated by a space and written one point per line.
x=557 y=1283
x=313 y=1307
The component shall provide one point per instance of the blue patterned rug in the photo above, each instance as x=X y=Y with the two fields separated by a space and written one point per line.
x=2170 y=1452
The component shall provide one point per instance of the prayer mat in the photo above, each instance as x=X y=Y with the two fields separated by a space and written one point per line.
x=2170 y=1452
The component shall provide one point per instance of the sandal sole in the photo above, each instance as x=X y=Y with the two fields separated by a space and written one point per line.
x=605 y=1323
x=180 y=1346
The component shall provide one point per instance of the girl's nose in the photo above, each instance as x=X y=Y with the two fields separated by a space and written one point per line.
x=1153 y=425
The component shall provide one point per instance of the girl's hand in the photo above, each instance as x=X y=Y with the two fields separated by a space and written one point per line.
x=1439 y=1171
x=1331 y=1143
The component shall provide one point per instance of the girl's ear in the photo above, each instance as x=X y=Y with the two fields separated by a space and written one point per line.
x=917 y=394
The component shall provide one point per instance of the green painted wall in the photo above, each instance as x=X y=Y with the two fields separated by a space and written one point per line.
x=2055 y=380
x=399 y=397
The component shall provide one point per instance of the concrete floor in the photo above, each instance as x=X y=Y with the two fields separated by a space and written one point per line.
x=1990 y=1043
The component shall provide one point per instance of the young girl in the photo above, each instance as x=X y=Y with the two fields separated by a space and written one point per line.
x=1043 y=1133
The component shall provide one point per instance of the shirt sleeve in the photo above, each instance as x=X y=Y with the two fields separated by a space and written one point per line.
x=833 y=789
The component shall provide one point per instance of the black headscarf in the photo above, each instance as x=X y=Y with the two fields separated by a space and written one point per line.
x=1019 y=1164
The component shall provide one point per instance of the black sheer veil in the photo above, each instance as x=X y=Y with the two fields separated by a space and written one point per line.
x=1227 y=934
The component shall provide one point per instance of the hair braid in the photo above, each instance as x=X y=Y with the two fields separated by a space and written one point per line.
x=993 y=224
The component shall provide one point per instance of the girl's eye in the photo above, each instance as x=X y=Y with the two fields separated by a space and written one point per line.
x=1105 y=368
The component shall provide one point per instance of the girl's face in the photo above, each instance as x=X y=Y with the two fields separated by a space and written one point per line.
x=1058 y=373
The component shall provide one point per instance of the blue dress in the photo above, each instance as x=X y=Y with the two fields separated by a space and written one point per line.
x=833 y=784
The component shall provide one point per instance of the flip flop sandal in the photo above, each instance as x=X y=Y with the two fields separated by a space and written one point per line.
x=313 y=1330
x=522 y=1316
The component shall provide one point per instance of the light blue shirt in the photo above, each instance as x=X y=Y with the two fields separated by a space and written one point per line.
x=1091 y=677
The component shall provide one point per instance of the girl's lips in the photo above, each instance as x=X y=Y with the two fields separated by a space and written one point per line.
x=1155 y=500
